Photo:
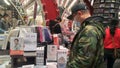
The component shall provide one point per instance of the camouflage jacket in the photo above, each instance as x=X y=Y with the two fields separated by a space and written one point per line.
x=87 y=46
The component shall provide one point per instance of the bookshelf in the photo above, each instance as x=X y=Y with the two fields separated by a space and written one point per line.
x=106 y=8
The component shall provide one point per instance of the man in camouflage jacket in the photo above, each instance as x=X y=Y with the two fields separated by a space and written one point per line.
x=87 y=47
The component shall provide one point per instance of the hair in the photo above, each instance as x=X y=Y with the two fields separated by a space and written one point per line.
x=16 y=39
x=113 y=25
x=5 y=15
x=59 y=19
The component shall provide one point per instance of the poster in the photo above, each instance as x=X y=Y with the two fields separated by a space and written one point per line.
x=16 y=46
x=30 y=42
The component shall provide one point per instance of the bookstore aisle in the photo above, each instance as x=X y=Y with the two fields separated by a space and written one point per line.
x=26 y=40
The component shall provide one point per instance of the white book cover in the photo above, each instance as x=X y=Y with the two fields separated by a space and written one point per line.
x=52 y=53
x=16 y=46
x=24 y=30
x=13 y=33
x=40 y=56
x=30 y=42
x=61 y=58
x=28 y=66
x=3 y=41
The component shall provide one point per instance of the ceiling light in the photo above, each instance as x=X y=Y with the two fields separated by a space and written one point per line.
x=71 y=5
x=6 y=1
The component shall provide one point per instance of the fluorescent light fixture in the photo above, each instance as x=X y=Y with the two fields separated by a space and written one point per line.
x=70 y=6
x=61 y=3
x=66 y=3
x=6 y=1
x=92 y=2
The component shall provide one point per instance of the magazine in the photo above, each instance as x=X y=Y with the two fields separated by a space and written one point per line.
x=30 y=42
x=16 y=46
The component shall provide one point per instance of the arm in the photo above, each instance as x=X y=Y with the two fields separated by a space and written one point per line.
x=84 y=50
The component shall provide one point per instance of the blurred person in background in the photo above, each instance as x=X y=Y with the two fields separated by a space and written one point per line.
x=4 y=23
x=111 y=41
x=54 y=26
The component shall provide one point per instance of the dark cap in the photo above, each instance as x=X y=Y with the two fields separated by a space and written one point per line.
x=76 y=8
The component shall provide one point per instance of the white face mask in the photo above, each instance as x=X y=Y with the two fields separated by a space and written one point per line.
x=78 y=24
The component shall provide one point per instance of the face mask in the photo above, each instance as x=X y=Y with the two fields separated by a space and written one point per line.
x=77 y=23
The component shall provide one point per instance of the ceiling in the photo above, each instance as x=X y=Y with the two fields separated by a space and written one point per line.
x=3 y=5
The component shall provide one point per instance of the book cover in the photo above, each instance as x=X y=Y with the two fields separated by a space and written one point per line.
x=40 y=56
x=30 y=42
x=26 y=29
x=52 y=53
x=61 y=58
x=16 y=46
x=3 y=41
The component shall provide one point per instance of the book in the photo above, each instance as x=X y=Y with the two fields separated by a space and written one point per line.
x=13 y=33
x=16 y=46
x=30 y=42
x=26 y=29
x=40 y=56
x=3 y=41
x=28 y=66
x=61 y=58
x=51 y=53
x=4 y=59
x=29 y=53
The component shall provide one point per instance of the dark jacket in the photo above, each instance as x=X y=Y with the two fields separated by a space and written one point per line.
x=4 y=25
x=87 y=46
x=55 y=27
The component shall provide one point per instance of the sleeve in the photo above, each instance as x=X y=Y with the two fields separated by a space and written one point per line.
x=84 y=50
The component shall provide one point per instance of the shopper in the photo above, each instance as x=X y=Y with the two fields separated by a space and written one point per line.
x=54 y=26
x=87 y=47
x=4 y=23
x=111 y=41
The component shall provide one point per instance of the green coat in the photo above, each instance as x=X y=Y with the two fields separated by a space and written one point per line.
x=87 y=47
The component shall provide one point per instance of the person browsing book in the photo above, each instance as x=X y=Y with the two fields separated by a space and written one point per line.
x=87 y=50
